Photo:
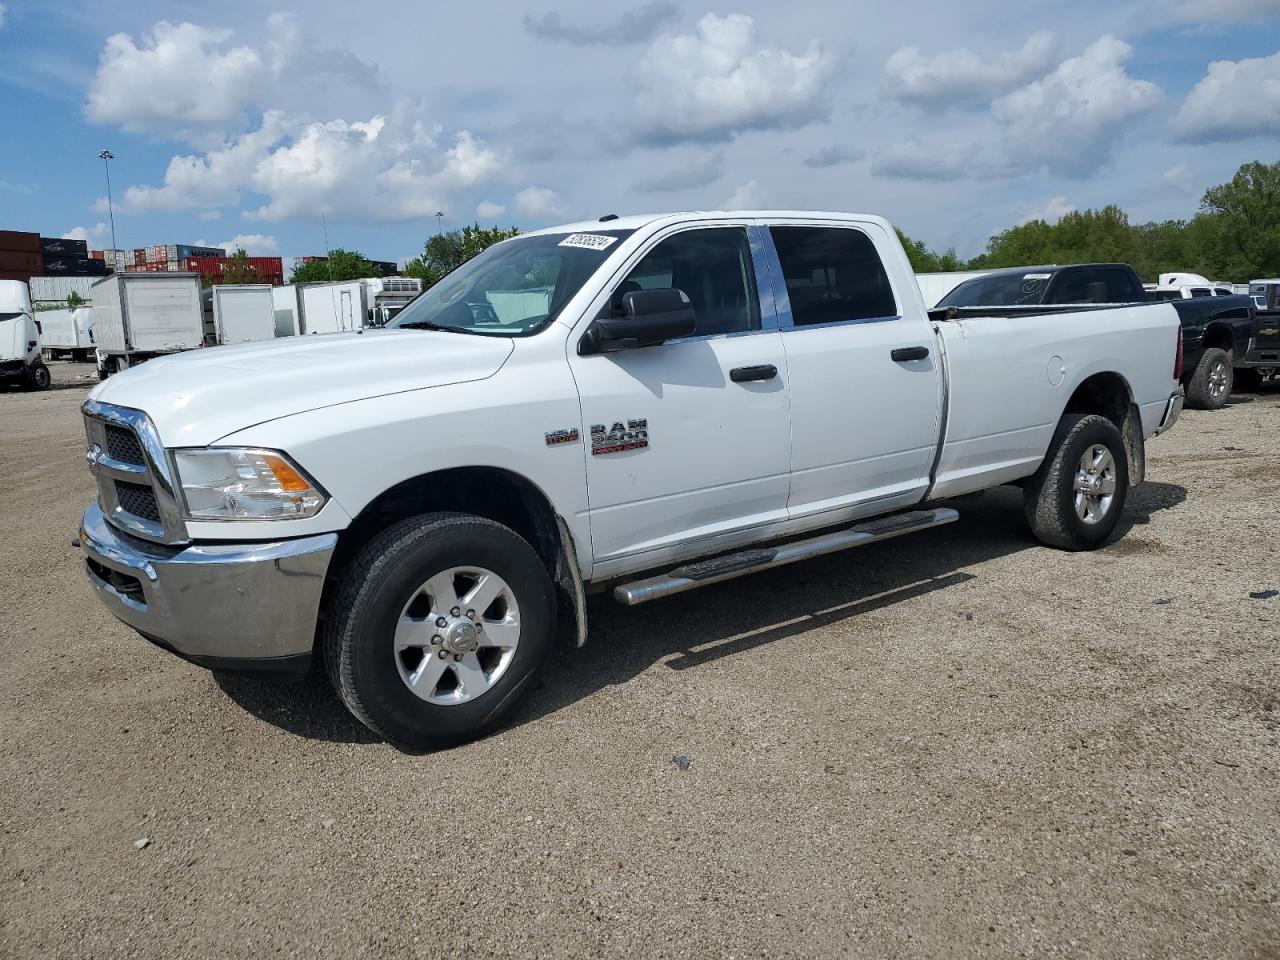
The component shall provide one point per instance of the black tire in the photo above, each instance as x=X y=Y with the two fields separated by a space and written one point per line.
x=1246 y=379
x=1049 y=497
x=382 y=578
x=1206 y=390
x=38 y=378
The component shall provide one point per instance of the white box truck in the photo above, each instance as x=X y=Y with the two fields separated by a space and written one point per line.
x=334 y=307
x=20 y=361
x=137 y=316
x=67 y=333
x=284 y=302
x=242 y=313
x=354 y=304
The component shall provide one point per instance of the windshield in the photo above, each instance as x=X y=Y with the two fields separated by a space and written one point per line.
x=999 y=290
x=514 y=288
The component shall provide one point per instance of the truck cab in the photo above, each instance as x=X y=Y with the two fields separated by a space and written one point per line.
x=21 y=362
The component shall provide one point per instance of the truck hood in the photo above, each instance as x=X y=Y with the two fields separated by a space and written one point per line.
x=197 y=397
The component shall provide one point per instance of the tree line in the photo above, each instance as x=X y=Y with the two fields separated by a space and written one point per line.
x=1234 y=237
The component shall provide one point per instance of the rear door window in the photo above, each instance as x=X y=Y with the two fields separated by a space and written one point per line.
x=1201 y=292
x=832 y=274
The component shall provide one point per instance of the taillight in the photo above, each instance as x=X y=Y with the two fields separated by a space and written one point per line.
x=1177 y=359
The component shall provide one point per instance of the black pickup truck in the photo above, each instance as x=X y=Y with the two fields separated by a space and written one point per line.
x=1218 y=333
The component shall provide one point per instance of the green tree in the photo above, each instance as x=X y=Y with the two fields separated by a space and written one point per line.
x=1248 y=212
x=75 y=300
x=340 y=265
x=923 y=260
x=448 y=251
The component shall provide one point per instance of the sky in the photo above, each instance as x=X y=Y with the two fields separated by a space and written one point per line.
x=265 y=126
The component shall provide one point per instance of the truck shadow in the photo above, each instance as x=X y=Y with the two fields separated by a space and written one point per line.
x=693 y=629
x=727 y=619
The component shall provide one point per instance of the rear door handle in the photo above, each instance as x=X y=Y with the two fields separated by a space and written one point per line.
x=765 y=371
x=902 y=354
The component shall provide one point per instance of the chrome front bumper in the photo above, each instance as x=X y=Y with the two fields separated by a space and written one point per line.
x=223 y=606
x=1172 y=410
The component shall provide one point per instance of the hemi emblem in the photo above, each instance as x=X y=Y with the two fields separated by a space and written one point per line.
x=556 y=437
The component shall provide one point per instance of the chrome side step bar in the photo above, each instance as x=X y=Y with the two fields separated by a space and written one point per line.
x=703 y=572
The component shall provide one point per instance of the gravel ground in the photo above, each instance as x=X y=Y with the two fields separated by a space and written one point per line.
x=961 y=744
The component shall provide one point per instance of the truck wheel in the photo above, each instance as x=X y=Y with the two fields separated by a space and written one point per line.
x=1246 y=378
x=440 y=625
x=1076 y=497
x=1211 y=383
x=38 y=378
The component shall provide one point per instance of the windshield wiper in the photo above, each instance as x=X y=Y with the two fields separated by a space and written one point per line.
x=428 y=325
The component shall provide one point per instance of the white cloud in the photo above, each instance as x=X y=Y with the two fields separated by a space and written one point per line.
x=1069 y=121
x=1235 y=99
x=488 y=210
x=180 y=77
x=1178 y=176
x=746 y=196
x=635 y=26
x=835 y=156
x=254 y=244
x=913 y=159
x=717 y=83
x=696 y=170
x=389 y=167
x=91 y=235
x=1051 y=211
x=958 y=76
x=538 y=202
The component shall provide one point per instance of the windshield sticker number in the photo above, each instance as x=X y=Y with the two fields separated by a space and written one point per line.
x=588 y=241
x=1036 y=276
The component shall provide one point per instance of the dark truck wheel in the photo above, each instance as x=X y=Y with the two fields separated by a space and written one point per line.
x=1211 y=383
x=1076 y=497
x=439 y=627
x=38 y=378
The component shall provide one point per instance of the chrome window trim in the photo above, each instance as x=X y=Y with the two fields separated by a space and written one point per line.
x=157 y=473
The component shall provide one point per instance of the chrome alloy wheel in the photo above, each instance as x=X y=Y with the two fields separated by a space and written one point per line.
x=1095 y=484
x=1218 y=379
x=457 y=635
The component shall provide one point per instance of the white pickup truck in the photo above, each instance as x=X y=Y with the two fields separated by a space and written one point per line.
x=645 y=405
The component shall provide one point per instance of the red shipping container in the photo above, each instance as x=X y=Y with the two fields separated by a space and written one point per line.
x=19 y=241
x=21 y=261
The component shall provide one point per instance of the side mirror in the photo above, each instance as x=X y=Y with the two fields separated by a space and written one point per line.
x=649 y=317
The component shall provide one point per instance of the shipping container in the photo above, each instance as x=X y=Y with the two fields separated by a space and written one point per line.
x=95 y=255
x=18 y=241
x=242 y=313
x=57 y=289
x=183 y=250
x=386 y=268
x=62 y=247
x=73 y=267
x=138 y=316
x=21 y=261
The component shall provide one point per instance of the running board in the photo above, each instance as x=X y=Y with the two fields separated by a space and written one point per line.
x=704 y=572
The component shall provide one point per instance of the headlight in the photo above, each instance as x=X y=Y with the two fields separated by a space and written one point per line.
x=237 y=483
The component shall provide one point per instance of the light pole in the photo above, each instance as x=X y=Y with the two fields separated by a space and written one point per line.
x=439 y=222
x=106 y=156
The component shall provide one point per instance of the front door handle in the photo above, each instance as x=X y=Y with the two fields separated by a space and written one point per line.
x=902 y=354
x=765 y=371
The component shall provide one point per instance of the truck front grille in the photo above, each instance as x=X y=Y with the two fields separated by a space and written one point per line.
x=135 y=485
x=123 y=445
x=139 y=500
